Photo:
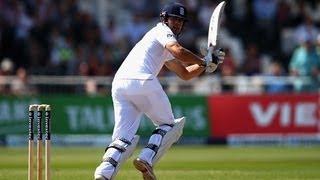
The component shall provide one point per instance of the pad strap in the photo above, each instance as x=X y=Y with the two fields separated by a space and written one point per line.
x=153 y=147
x=125 y=141
x=113 y=162
x=159 y=131
x=117 y=146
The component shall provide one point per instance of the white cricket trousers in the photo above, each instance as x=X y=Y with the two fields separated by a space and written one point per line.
x=132 y=98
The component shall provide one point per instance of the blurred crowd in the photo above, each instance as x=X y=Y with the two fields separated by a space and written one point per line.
x=65 y=37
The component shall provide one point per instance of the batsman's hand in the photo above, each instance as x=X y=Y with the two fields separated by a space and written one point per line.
x=213 y=59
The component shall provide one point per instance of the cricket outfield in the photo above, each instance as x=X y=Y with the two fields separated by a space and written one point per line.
x=181 y=163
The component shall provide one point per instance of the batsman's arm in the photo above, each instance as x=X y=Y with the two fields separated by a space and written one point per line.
x=183 y=54
x=185 y=73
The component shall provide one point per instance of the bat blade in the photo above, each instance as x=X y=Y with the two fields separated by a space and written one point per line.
x=214 y=24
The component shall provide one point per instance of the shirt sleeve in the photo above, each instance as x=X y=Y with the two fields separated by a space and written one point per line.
x=165 y=35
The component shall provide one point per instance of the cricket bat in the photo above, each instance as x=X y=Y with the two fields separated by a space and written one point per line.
x=214 y=26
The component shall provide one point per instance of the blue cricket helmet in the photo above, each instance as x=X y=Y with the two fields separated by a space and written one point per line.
x=174 y=10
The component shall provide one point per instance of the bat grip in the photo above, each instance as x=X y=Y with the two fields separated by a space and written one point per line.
x=209 y=54
x=210 y=49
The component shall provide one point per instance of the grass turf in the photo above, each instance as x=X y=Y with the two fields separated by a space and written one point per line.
x=181 y=163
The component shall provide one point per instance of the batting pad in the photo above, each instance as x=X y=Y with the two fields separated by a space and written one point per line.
x=127 y=154
x=104 y=170
x=171 y=137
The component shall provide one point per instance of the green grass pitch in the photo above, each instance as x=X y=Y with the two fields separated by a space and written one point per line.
x=180 y=163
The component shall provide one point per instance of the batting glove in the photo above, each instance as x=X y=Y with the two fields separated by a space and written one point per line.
x=213 y=59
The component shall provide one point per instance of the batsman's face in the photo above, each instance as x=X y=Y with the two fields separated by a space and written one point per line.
x=175 y=24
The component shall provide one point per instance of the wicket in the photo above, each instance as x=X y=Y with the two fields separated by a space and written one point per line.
x=39 y=108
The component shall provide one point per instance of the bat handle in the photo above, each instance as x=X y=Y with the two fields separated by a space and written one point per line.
x=210 y=49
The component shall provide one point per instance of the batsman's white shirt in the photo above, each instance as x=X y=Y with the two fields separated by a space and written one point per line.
x=136 y=89
x=148 y=56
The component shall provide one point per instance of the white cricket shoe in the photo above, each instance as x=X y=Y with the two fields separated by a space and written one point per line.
x=145 y=169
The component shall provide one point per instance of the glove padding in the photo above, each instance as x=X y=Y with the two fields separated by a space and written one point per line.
x=213 y=59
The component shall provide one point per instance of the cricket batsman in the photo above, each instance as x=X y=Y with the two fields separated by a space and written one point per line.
x=136 y=90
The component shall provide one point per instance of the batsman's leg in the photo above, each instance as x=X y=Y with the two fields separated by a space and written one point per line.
x=123 y=137
x=160 y=141
x=116 y=153
x=169 y=138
